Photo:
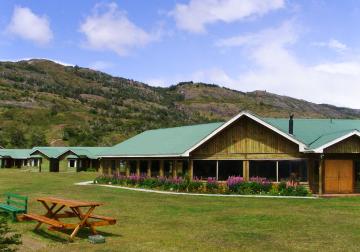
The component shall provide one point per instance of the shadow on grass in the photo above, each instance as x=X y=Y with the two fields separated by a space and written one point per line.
x=63 y=236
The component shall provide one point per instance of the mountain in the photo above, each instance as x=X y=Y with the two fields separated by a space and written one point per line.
x=42 y=102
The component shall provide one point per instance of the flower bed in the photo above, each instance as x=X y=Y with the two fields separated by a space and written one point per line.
x=234 y=185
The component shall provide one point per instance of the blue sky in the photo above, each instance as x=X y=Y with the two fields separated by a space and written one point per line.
x=304 y=49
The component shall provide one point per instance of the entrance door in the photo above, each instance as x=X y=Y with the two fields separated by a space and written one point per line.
x=339 y=176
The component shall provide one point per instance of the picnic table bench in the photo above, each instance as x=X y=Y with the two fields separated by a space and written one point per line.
x=58 y=208
x=14 y=204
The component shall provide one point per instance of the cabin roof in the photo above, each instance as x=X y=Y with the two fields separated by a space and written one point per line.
x=53 y=152
x=313 y=134
x=56 y=152
x=317 y=132
x=169 y=141
x=15 y=153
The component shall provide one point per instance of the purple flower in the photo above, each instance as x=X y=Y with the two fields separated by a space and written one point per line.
x=233 y=181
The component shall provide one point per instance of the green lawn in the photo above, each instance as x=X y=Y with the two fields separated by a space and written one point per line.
x=155 y=222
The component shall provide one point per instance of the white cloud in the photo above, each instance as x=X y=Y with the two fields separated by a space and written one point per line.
x=110 y=29
x=156 y=82
x=27 y=25
x=212 y=75
x=277 y=69
x=37 y=58
x=101 y=65
x=195 y=15
x=351 y=68
x=332 y=44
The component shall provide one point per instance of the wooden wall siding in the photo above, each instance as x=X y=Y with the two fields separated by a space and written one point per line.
x=349 y=145
x=247 y=137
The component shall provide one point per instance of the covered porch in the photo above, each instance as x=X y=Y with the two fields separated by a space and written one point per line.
x=273 y=170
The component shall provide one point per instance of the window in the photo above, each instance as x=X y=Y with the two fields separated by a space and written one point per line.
x=296 y=169
x=71 y=163
x=357 y=172
x=113 y=166
x=155 y=168
x=143 y=167
x=122 y=168
x=228 y=168
x=167 y=168
x=263 y=169
x=204 y=169
x=132 y=165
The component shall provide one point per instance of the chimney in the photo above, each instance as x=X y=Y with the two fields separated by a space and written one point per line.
x=291 y=124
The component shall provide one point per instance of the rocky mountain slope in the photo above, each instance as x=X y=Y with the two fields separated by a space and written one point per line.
x=42 y=102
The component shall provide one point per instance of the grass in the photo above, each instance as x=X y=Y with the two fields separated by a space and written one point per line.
x=154 y=222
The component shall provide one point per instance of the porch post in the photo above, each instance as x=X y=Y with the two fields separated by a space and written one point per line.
x=321 y=168
x=127 y=168
x=174 y=168
x=246 y=170
x=118 y=164
x=161 y=168
x=310 y=172
x=138 y=167
x=101 y=166
x=149 y=168
x=191 y=169
x=109 y=168
x=217 y=169
x=277 y=171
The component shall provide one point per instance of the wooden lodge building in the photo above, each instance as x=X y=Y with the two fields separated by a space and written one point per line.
x=52 y=159
x=323 y=154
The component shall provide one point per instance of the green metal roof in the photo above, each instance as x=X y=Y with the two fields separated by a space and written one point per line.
x=89 y=152
x=316 y=132
x=15 y=153
x=72 y=157
x=50 y=152
x=313 y=133
x=170 y=141
x=56 y=152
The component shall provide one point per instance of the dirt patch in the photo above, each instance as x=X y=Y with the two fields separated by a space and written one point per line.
x=31 y=244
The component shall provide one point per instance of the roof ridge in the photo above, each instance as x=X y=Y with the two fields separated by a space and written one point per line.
x=192 y=125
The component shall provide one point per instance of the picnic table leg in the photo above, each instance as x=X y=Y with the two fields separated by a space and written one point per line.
x=93 y=231
x=49 y=211
x=83 y=218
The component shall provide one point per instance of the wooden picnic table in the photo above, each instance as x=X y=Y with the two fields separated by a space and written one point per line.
x=58 y=208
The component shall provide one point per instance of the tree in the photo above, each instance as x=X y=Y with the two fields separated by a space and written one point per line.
x=7 y=237
x=17 y=138
x=37 y=138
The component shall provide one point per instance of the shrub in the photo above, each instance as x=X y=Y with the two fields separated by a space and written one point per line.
x=285 y=189
x=195 y=186
x=7 y=237
x=237 y=185
x=212 y=185
x=234 y=182
x=255 y=185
